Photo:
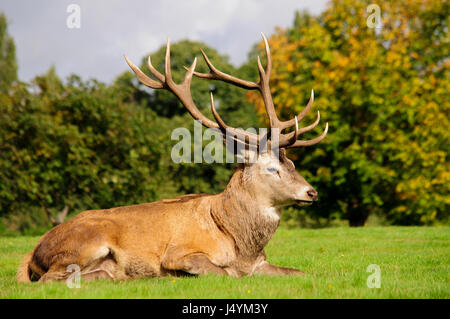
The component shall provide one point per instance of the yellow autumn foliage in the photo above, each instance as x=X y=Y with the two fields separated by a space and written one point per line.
x=384 y=92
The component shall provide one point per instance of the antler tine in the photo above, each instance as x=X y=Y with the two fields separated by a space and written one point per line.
x=293 y=138
x=190 y=72
x=268 y=56
x=301 y=115
x=219 y=120
x=155 y=72
x=241 y=135
x=268 y=69
x=264 y=87
x=216 y=74
x=144 y=78
x=285 y=139
x=167 y=68
x=300 y=143
x=303 y=129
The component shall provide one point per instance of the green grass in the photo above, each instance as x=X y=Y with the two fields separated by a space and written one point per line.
x=414 y=262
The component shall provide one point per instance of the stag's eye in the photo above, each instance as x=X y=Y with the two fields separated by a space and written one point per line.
x=272 y=170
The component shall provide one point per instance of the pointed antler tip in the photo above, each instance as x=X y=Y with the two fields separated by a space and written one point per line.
x=193 y=65
x=266 y=44
x=213 y=107
x=128 y=61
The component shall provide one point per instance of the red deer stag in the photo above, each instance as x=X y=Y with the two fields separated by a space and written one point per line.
x=221 y=233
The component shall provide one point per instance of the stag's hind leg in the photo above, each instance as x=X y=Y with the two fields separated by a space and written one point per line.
x=268 y=269
x=61 y=275
x=195 y=264
x=54 y=274
x=104 y=266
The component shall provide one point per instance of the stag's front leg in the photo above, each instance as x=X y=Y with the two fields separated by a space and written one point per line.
x=268 y=269
x=196 y=264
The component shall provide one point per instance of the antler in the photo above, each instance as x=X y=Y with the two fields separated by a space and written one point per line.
x=285 y=140
x=183 y=93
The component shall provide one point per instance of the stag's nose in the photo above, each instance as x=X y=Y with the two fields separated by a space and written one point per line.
x=312 y=194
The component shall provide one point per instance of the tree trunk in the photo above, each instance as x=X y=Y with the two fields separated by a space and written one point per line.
x=358 y=218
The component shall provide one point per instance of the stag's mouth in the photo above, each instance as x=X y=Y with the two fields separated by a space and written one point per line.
x=302 y=202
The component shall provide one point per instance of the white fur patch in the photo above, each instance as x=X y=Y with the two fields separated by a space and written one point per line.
x=271 y=213
x=258 y=264
x=101 y=252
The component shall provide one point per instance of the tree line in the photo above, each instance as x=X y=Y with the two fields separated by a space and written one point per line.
x=71 y=145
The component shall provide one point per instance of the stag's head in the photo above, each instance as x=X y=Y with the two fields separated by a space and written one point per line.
x=273 y=180
x=267 y=171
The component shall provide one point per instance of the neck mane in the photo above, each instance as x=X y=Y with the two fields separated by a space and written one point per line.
x=238 y=211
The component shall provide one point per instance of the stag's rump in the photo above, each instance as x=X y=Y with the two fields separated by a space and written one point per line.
x=78 y=241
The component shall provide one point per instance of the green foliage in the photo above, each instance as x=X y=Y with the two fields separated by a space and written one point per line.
x=8 y=63
x=76 y=144
x=385 y=94
x=89 y=146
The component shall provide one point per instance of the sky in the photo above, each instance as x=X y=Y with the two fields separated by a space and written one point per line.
x=46 y=32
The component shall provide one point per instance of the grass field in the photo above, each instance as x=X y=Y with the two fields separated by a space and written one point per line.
x=414 y=263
